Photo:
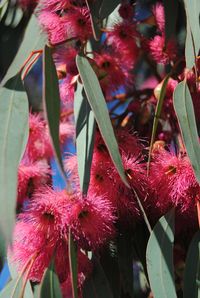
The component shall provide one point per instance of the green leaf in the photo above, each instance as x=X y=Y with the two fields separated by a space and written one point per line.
x=98 y=105
x=50 y=285
x=192 y=269
x=110 y=266
x=170 y=18
x=97 y=285
x=13 y=138
x=125 y=260
x=185 y=113
x=94 y=7
x=157 y=116
x=85 y=125
x=3 y=2
x=159 y=257
x=190 y=54
x=73 y=265
x=193 y=31
x=140 y=240
x=36 y=291
x=51 y=97
x=3 y=7
x=12 y=268
x=14 y=287
x=108 y=7
x=33 y=40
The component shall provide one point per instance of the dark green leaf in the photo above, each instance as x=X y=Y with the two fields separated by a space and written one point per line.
x=170 y=18
x=14 y=288
x=157 y=116
x=160 y=257
x=94 y=7
x=185 y=113
x=98 y=105
x=50 y=285
x=140 y=240
x=97 y=285
x=73 y=265
x=33 y=40
x=13 y=138
x=125 y=259
x=192 y=45
x=108 y=7
x=110 y=266
x=51 y=97
x=192 y=269
x=85 y=124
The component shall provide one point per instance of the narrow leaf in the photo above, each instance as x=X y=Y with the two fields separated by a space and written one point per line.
x=157 y=116
x=190 y=54
x=192 y=269
x=98 y=105
x=85 y=124
x=36 y=291
x=140 y=240
x=170 y=18
x=13 y=138
x=13 y=289
x=73 y=265
x=51 y=98
x=110 y=266
x=192 y=45
x=33 y=40
x=97 y=285
x=160 y=257
x=108 y=7
x=94 y=7
x=12 y=268
x=2 y=3
x=185 y=113
x=50 y=285
x=125 y=260
x=3 y=7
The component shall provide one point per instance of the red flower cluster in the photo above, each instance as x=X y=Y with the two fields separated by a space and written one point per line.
x=45 y=215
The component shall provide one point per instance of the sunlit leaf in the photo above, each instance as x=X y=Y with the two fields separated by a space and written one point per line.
x=50 y=285
x=185 y=113
x=192 y=44
x=159 y=257
x=13 y=138
x=51 y=97
x=85 y=124
x=33 y=40
x=14 y=289
x=98 y=105
x=192 y=269
x=3 y=7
